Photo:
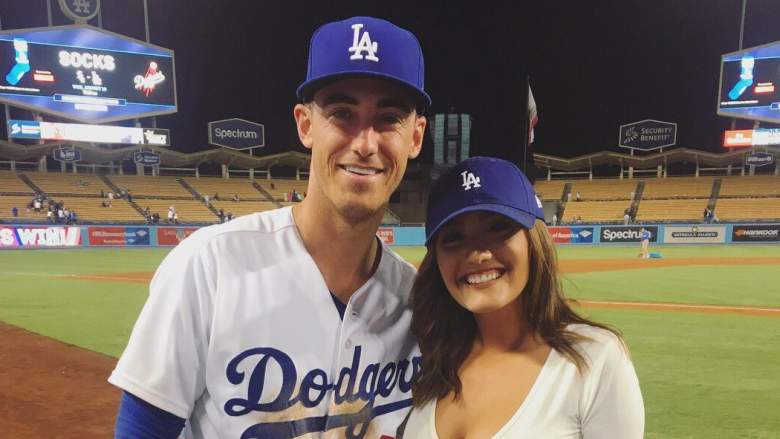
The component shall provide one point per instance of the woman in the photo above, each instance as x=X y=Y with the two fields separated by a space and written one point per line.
x=644 y=239
x=504 y=356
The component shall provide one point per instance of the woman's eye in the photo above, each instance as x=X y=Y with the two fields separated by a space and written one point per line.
x=450 y=238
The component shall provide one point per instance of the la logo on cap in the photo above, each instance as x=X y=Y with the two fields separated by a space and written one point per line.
x=364 y=44
x=470 y=180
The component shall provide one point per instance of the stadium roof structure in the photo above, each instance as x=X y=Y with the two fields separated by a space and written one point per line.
x=98 y=154
x=677 y=155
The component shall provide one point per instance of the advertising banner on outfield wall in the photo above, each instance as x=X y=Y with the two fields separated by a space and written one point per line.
x=571 y=235
x=694 y=234
x=626 y=233
x=386 y=234
x=40 y=236
x=119 y=236
x=173 y=235
x=756 y=233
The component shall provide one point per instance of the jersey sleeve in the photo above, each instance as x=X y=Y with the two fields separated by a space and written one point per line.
x=612 y=406
x=164 y=362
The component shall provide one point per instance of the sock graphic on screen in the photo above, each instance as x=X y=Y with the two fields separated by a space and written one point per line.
x=745 y=78
x=22 y=62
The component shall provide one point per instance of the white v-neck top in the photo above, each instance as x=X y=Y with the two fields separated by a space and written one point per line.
x=603 y=403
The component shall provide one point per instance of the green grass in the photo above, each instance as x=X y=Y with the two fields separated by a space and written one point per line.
x=702 y=375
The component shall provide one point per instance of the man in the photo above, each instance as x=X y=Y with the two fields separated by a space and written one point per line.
x=294 y=322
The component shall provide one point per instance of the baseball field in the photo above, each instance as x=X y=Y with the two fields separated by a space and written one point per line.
x=702 y=324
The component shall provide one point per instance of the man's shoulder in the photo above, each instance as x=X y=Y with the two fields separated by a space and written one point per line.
x=257 y=225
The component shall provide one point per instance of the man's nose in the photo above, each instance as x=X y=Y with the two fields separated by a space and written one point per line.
x=366 y=143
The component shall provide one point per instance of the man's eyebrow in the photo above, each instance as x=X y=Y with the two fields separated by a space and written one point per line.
x=339 y=98
x=400 y=104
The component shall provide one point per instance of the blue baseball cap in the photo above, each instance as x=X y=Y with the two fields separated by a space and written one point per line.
x=369 y=47
x=482 y=184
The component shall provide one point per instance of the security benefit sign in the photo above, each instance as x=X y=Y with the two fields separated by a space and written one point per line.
x=648 y=134
x=694 y=234
x=66 y=154
x=86 y=74
x=236 y=134
x=756 y=233
x=146 y=158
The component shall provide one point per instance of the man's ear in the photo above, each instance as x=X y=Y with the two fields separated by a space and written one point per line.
x=420 y=123
x=303 y=115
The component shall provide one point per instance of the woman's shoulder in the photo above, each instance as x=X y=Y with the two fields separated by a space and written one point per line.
x=598 y=343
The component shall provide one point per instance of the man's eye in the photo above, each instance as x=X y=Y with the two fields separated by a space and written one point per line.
x=341 y=113
x=390 y=118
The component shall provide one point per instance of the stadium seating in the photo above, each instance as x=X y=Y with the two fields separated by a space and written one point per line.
x=603 y=189
x=63 y=183
x=226 y=188
x=10 y=182
x=91 y=210
x=549 y=190
x=281 y=187
x=151 y=186
x=189 y=210
x=747 y=209
x=755 y=186
x=677 y=187
x=8 y=202
x=672 y=210
x=244 y=207
x=595 y=211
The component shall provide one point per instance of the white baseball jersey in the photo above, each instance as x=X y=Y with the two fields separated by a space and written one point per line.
x=241 y=337
x=604 y=403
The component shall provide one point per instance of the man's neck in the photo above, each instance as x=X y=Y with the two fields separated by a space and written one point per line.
x=344 y=252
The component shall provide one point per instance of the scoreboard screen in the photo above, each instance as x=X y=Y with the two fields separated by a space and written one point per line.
x=750 y=83
x=85 y=74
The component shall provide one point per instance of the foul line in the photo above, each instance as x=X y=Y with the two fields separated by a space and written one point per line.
x=659 y=306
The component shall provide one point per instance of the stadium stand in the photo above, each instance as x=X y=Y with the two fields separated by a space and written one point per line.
x=279 y=188
x=72 y=184
x=549 y=190
x=91 y=210
x=159 y=187
x=595 y=211
x=604 y=189
x=688 y=210
x=677 y=187
x=190 y=211
x=748 y=209
x=10 y=182
x=751 y=186
x=8 y=202
x=226 y=188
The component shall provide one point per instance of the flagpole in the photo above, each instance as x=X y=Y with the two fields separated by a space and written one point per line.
x=525 y=132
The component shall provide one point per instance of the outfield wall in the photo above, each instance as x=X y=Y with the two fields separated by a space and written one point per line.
x=43 y=236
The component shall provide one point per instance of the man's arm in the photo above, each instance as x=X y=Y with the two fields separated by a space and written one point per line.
x=137 y=419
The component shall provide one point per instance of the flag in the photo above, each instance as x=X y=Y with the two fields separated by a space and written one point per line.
x=533 y=118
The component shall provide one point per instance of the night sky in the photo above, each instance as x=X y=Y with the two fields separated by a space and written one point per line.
x=593 y=65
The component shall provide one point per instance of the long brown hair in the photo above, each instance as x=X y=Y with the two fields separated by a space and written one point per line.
x=446 y=331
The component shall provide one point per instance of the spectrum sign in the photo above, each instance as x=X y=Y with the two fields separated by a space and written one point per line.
x=74 y=132
x=86 y=74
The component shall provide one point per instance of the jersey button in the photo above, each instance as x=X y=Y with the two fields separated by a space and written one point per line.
x=348 y=344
